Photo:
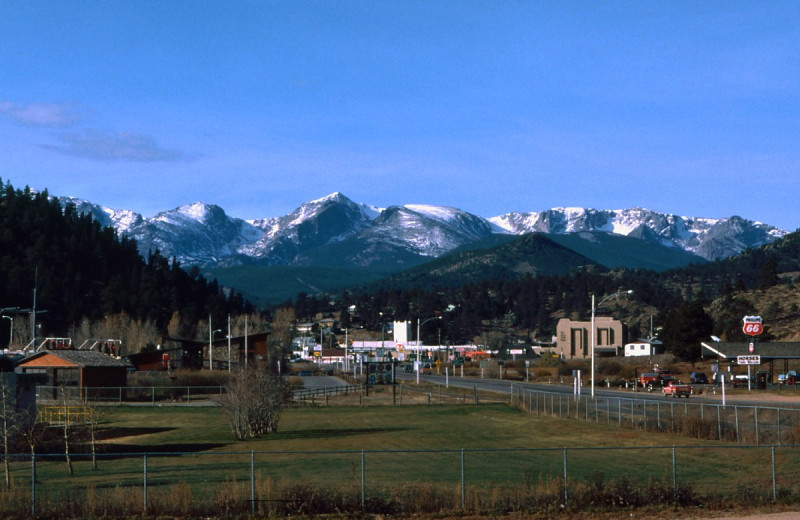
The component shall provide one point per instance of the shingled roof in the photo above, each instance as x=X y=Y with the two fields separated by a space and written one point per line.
x=84 y=358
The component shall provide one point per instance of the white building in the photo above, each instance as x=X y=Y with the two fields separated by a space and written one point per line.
x=644 y=348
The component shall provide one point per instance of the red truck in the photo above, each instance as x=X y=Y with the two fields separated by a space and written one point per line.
x=675 y=388
x=653 y=380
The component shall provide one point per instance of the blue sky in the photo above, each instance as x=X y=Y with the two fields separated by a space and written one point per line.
x=682 y=106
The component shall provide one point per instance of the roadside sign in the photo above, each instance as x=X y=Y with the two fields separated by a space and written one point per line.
x=748 y=360
x=753 y=325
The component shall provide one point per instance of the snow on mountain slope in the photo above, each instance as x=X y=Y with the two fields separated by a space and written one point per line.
x=330 y=219
x=195 y=234
x=202 y=234
x=427 y=230
x=709 y=238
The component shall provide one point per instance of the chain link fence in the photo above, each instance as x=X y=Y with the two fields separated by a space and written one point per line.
x=745 y=424
x=386 y=481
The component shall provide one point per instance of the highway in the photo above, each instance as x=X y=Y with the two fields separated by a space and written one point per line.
x=505 y=386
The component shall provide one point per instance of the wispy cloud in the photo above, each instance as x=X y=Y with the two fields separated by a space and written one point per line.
x=39 y=114
x=101 y=145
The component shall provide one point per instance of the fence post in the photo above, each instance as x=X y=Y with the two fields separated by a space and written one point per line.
x=736 y=415
x=644 y=414
x=144 y=484
x=153 y=394
x=756 y=421
x=633 y=414
x=363 y=480
x=719 y=423
x=464 y=482
x=566 y=495
x=658 y=415
x=780 y=440
x=774 y=481
x=674 y=476
x=252 y=482
x=33 y=485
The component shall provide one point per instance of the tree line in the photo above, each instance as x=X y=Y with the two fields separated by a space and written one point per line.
x=77 y=273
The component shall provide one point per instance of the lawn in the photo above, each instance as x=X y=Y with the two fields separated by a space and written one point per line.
x=192 y=455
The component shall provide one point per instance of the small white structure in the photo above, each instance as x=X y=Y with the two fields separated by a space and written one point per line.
x=644 y=348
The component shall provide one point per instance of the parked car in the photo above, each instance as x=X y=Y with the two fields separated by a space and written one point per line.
x=739 y=381
x=791 y=377
x=698 y=378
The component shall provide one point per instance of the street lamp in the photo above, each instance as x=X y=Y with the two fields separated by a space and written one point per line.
x=419 y=341
x=210 y=344
x=11 y=333
x=602 y=301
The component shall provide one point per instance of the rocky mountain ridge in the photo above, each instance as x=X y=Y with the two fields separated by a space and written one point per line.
x=335 y=229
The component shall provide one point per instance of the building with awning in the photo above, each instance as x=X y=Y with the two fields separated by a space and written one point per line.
x=785 y=353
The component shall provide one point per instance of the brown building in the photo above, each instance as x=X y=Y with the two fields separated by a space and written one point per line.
x=76 y=368
x=574 y=338
x=179 y=353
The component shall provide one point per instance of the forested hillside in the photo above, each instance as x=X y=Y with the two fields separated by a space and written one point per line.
x=525 y=307
x=80 y=271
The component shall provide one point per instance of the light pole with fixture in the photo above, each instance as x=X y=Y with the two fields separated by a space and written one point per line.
x=602 y=301
x=211 y=333
x=419 y=340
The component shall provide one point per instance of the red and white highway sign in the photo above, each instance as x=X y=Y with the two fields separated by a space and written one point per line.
x=753 y=325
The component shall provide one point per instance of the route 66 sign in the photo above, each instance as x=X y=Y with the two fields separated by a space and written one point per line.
x=753 y=325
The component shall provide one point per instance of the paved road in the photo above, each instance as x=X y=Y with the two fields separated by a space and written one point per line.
x=314 y=382
x=504 y=386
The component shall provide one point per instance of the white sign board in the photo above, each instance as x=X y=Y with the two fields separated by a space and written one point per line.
x=748 y=360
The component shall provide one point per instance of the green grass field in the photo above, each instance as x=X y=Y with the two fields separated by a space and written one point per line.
x=192 y=455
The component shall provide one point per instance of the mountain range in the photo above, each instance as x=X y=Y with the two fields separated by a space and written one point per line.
x=361 y=242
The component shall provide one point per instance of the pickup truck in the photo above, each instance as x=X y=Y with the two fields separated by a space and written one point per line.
x=675 y=388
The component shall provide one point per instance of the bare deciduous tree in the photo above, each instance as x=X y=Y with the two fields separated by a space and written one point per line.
x=284 y=328
x=253 y=402
x=9 y=420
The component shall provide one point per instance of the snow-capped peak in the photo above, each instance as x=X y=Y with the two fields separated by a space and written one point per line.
x=201 y=233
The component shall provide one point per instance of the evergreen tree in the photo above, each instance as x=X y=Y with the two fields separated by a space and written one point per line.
x=685 y=327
